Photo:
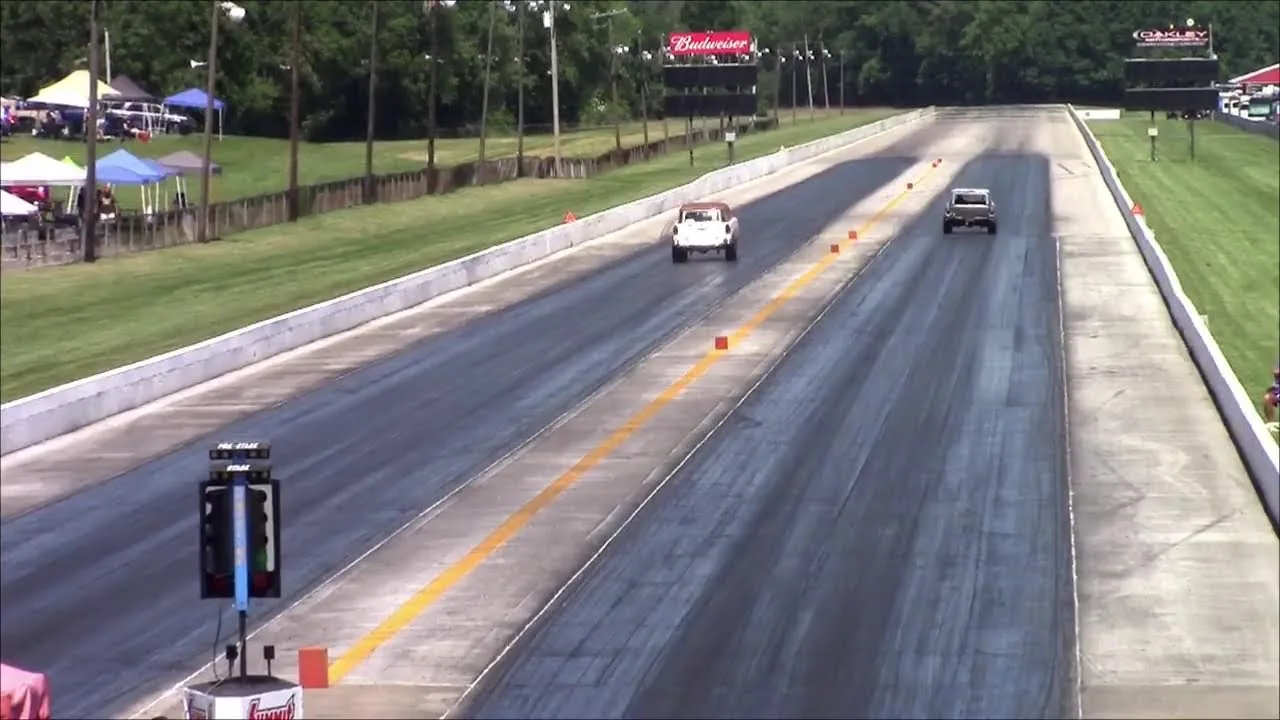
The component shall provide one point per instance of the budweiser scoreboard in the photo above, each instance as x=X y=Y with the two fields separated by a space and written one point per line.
x=710 y=74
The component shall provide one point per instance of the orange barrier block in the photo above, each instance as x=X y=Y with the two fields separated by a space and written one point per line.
x=313 y=668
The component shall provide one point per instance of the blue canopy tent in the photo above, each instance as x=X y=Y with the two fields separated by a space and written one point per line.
x=196 y=99
x=124 y=168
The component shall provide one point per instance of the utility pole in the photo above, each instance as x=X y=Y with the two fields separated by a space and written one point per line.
x=841 y=82
x=555 y=84
x=613 y=74
x=202 y=229
x=369 y=192
x=613 y=81
x=645 y=57
x=826 y=86
x=433 y=73
x=295 y=120
x=795 y=65
x=89 y=191
x=488 y=66
x=808 y=76
x=520 y=79
x=778 y=61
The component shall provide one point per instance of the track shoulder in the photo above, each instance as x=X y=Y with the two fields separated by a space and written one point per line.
x=1179 y=568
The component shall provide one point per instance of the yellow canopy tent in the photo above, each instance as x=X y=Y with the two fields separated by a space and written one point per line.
x=72 y=90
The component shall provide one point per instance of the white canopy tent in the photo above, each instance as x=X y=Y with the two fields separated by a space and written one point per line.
x=11 y=205
x=40 y=169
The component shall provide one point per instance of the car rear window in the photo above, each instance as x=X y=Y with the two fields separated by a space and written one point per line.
x=702 y=215
x=970 y=199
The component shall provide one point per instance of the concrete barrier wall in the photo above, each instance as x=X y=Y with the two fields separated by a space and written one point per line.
x=60 y=410
x=1268 y=129
x=1259 y=452
x=1099 y=113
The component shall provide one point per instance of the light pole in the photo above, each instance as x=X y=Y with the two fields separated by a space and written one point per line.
x=795 y=65
x=89 y=191
x=520 y=7
x=549 y=21
x=778 y=62
x=488 y=66
x=369 y=194
x=235 y=14
x=808 y=76
x=842 y=52
x=614 y=52
x=826 y=87
x=295 y=59
x=434 y=58
x=646 y=57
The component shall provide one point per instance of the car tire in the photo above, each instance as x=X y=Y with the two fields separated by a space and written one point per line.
x=946 y=228
x=679 y=255
x=991 y=228
x=731 y=252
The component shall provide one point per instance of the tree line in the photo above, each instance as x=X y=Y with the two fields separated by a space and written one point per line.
x=890 y=52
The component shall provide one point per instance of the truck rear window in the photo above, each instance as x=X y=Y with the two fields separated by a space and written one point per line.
x=970 y=199
x=701 y=216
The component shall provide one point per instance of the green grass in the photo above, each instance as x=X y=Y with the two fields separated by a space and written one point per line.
x=61 y=323
x=1218 y=219
x=258 y=166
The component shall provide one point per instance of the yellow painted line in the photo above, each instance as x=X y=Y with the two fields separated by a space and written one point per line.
x=429 y=594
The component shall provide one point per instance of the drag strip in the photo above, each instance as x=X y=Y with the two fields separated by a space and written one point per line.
x=880 y=530
x=98 y=590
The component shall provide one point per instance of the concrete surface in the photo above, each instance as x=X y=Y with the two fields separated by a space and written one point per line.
x=1179 y=568
x=97 y=561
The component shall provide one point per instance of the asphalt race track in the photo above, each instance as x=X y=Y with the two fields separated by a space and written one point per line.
x=99 y=590
x=911 y=505
x=880 y=530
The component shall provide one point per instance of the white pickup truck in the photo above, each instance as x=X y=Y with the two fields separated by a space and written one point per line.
x=705 y=227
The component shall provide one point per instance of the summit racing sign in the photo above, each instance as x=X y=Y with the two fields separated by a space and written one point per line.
x=728 y=42
x=1173 y=37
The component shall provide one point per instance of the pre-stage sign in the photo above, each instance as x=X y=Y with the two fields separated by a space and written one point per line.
x=724 y=42
x=1171 y=38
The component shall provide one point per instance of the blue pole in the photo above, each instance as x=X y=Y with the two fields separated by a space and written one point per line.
x=240 y=533
x=240 y=537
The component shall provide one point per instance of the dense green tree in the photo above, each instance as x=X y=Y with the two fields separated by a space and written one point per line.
x=902 y=52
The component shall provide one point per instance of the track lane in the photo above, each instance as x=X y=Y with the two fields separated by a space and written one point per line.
x=902 y=469
x=98 y=589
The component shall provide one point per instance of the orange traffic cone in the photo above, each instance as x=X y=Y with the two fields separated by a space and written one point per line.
x=1137 y=209
x=570 y=217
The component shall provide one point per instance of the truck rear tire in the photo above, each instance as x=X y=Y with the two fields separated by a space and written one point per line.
x=991 y=228
x=946 y=228
x=679 y=255
x=731 y=252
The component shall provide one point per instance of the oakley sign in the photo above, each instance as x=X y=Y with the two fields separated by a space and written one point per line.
x=730 y=42
x=1171 y=38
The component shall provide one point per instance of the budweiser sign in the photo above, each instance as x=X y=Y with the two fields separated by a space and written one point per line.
x=728 y=42
x=286 y=711
x=1173 y=37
